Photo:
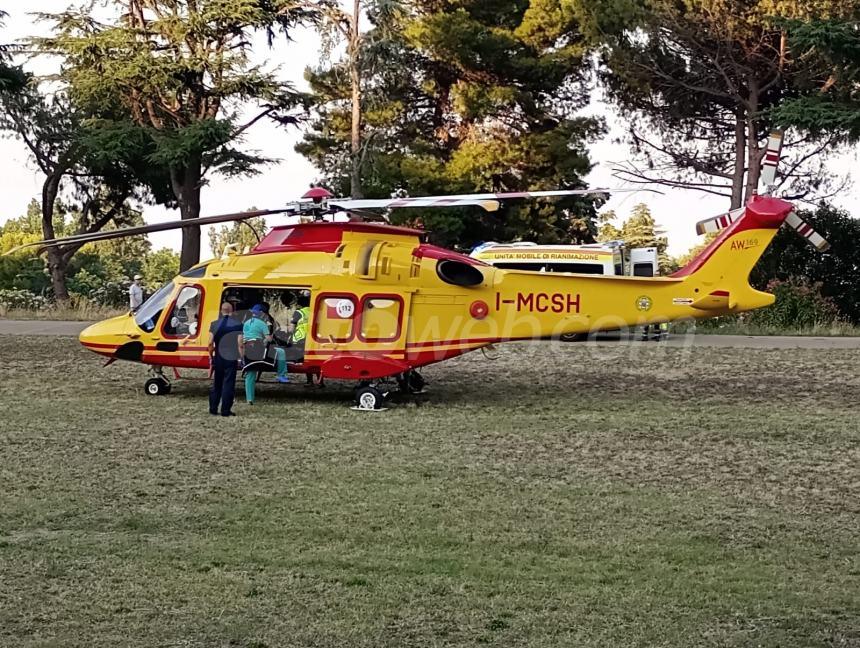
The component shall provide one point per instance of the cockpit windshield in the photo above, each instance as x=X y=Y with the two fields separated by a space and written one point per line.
x=147 y=315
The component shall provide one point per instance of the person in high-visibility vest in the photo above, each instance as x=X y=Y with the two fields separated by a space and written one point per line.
x=298 y=334
x=298 y=327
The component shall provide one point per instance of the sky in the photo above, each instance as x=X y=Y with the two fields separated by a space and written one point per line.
x=676 y=210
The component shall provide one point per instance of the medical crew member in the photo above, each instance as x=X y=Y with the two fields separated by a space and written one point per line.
x=224 y=334
x=256 y=328
x=298 y=327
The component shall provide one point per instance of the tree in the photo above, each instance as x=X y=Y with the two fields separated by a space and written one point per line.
x=159 y=267
x=98 y=271
x=243 y=235
x=465 y=98
x=638 y=231
x=53 y=129
x=12 y=77
x=182 y=70
x=698 y=81
x=829 y=102
x=607 y=230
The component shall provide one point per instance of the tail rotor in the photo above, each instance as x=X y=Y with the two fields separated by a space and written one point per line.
x=769 y=168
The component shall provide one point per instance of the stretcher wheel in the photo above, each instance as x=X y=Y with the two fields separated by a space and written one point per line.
x=156 y=387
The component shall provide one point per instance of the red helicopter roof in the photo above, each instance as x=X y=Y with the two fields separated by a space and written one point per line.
x=323 y=237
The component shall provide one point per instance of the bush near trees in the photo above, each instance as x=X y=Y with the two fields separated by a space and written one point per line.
x=99 y=273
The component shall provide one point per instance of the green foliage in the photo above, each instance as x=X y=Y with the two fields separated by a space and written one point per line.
x=21 y=299
x=99 y=273
x=790 y=256
x=697 y=80
x=800 y=305
x=241 y=234
x=173 y=76
x=475 y=96
x=159 y=267
x=829 y=103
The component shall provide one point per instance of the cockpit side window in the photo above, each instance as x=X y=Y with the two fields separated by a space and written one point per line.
x=184 y=318
x=146 y=317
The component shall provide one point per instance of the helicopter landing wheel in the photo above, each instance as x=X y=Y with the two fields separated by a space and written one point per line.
x=156 y=387
x=368 y=399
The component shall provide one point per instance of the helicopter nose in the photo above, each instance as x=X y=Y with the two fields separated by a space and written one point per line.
x=108 y=336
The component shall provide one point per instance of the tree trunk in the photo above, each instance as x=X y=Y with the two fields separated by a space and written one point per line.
x=57 y=265
x=186 y=188
x=740 y=158
x=355 y=79
x=753 y=153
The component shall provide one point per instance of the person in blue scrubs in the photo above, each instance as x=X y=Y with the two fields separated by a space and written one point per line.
x=256 y=328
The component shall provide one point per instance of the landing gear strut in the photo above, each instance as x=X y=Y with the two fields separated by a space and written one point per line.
x=411 y=382
x=158 y=384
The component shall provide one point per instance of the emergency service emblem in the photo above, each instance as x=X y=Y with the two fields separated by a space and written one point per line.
x=345 y=308
x=643 y=303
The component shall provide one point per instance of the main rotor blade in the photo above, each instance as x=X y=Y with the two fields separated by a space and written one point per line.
x=147 y=229
x=805 y=230
x=430 y=201
x=488 y=201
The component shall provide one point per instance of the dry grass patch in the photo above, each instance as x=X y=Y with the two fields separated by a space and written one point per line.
x=569 y=495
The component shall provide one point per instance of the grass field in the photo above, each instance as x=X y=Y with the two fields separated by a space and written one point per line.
x=567 y=497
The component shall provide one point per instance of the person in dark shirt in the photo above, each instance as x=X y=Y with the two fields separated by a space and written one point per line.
x=223 y=359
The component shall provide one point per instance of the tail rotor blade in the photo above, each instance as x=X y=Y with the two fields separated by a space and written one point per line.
x=717 y=223
x=770 y=163
x=805 y=230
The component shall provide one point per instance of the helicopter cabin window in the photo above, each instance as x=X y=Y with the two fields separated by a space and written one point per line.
x=184 y=318
x=335 y=318
x=380 y=318
x=146 y=317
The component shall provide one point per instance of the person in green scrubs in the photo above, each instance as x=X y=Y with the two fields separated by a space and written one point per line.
x=256 y=328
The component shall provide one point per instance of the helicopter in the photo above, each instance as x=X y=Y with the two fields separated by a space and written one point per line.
x=385 y=302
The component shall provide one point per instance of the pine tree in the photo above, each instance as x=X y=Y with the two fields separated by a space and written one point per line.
x=699 y=81
x=181 y=69
x=462 y=97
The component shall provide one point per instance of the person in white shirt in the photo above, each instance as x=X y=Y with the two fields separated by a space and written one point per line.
x=135 y=293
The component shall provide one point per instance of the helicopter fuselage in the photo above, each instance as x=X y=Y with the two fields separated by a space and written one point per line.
x=384 y=301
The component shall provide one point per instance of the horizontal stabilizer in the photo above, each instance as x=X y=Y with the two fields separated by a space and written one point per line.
x=716 y=300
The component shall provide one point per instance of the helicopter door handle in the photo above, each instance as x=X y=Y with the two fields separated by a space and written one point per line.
x=133 y=336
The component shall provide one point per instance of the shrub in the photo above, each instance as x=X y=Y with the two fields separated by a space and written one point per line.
x=21 y=299
x=799 y=306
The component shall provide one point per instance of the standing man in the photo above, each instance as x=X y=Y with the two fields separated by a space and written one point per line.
x=135 y=293
x=224 y=334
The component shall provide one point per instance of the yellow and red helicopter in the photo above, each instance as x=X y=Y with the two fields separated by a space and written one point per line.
x=385 y=302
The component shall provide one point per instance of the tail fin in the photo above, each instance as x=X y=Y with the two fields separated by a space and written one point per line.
x=725 y=265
